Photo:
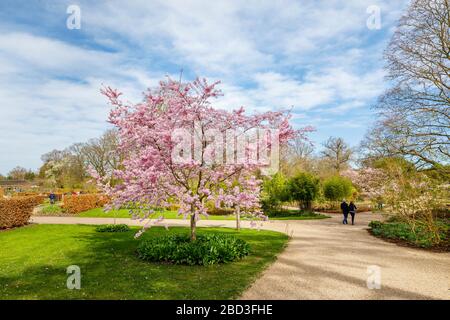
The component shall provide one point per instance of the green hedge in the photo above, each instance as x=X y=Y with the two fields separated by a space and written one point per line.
x=206 y=250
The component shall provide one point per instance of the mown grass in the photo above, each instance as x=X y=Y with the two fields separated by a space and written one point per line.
x=34 y=259
x=122 y=213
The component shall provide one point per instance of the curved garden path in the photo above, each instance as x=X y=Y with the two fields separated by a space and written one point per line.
x=327 y=260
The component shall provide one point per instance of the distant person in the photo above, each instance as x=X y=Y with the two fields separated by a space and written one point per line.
x=344 y=208
x=352 y=209
x=380 y=205
x=52 y=198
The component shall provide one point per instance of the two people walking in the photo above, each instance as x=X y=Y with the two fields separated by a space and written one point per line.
x=346 y=209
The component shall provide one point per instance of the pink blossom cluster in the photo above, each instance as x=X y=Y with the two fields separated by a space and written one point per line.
x=243 y=194
x=150 y=180
x=369 y=181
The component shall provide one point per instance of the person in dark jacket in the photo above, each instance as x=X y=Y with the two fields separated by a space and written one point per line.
x=52 y=198
x=352 y=210
x=344 y=208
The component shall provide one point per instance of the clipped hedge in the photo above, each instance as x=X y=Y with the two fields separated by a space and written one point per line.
x=78 y=203
x=16 y=211
x=206 y=250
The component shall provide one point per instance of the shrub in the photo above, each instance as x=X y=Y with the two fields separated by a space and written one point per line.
x=337 y=188
x=220 y=211
x=206 y=250
x=274 y=192
x=83 y=202
x=375 y=224
x=113 y=228
x=16 y=211
x=215 y=211
x=303 y=188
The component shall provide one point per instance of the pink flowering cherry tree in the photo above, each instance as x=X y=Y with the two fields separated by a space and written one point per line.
x=243 y=195
x=178 y=148
x=370 y=181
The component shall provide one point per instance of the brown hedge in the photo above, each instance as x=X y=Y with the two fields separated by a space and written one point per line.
x=16 y=211
x=78 y=203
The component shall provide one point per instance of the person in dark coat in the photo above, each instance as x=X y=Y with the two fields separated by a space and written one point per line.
x=52 y=198
x=352 y=210
x=344 y=208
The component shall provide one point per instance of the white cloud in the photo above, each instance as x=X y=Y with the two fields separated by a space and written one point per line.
x=317 y=90
x=49 y=55
x=45 y=106
x=315 y=56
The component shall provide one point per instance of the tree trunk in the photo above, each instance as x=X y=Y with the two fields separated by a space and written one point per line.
x=238 y=218
x=193 y=227
x=308 y=206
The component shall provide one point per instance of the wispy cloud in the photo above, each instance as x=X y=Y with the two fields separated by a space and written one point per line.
x=316 y=57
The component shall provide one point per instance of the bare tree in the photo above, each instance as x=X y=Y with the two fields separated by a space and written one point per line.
x=415 y=113
x=68 y=167
x=299 y=148
x=337 y=152
x=101 y=153
x=296 y=156
x=18 y=173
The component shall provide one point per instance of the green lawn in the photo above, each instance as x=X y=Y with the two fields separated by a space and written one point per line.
x=33 y=262
x=122 y=213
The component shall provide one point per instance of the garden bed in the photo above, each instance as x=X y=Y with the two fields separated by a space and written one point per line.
x=401 y=234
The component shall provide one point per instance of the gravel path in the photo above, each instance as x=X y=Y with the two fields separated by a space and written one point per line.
x=327 y=260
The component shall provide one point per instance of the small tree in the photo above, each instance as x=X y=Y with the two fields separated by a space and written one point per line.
x=152 y=174
x=337 y=188
x=243 y=196
x=412 y=197
x=370 y=182
x=303 y=188
x=274 y=192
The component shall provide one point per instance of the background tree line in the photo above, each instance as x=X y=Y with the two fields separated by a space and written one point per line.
x=68 y=168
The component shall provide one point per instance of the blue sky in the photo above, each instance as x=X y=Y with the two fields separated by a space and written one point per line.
x=316 y=57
